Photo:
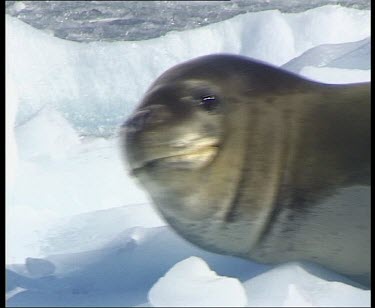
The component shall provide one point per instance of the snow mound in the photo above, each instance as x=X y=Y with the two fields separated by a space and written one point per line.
x=297 y=285
x=336 y=75
x=330 y=24
x=47 y=134
x=91 y=177
x=88 y=231
x=119 y=273
x=191 y=283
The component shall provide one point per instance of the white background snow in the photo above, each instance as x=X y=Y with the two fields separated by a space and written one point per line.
x=79 y=230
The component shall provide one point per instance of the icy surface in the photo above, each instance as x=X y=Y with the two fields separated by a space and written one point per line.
x=119 y=272
x=352 y=55
x=296 y=286
x=191 y=283
x=96 y=85
x=336 y=75
x=80 y=231
x=92 y=176
x=10 y=145
x=54 y=143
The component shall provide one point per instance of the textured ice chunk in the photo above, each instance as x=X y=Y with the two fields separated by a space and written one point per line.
x=191 y=283
x=302 y=285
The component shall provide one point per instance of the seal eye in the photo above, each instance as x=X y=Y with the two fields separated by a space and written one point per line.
x=208 y=102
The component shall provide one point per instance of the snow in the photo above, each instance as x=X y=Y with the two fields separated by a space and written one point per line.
x=296 y=286
x=91 y=177
x=336 y=75
x=80 y=231
x=96 y=85
x=54 y=143
x=352 y=55
x=11 y=145
x=193 y=284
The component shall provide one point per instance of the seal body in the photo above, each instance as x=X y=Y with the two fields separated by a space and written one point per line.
x=243 y=158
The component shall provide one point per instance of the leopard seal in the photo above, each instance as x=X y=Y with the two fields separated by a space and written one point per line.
x=246 y=159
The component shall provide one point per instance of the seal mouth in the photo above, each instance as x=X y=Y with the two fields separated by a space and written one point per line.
x=193 y=159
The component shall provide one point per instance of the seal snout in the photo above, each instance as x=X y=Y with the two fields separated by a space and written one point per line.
x=143 y=118
x=138 y=120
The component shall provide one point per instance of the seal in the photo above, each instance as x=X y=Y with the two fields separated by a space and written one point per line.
x=246 y=159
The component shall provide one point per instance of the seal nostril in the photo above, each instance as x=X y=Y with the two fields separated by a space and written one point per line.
x=138 y=121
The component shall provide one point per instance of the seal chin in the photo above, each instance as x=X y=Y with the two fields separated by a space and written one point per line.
x=187 y=160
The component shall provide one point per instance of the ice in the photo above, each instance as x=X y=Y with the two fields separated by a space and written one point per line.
x=39 y=267
x=328 y=25
x=191 y=283
x=118 y=273
x=352 y=55
x=124 y=271
x=296 y=297
x=10 y=145
x=91 y=177
x=38 y=142
x=336 y=75
x=96 y=85
x=303 y=285
x=25 y=227
x=94 y=229
x=13 y=292
x=335 y=63
x=80 y=231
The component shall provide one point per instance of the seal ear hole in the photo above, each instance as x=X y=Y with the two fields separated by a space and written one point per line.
x=208 y=102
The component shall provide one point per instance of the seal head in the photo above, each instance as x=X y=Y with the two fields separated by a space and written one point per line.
x=242 y=158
